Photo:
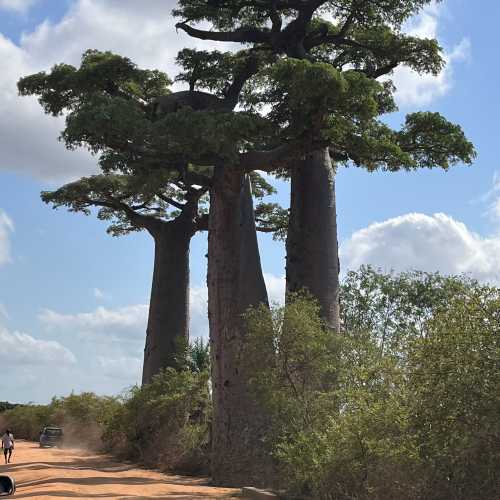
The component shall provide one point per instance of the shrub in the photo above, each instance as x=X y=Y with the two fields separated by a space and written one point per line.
x=81 y=415
x=164 y=423
x=454 y=381
x=26 y=421
x=405 y=404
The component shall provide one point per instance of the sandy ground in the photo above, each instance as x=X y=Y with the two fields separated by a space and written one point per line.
x=69 y=473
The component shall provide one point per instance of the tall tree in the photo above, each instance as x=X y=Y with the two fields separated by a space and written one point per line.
x=171 y=214
x=323 y=92
x=366 y=38
x=128 y=117
x=115 y=110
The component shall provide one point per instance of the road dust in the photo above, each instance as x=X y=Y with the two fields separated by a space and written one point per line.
x=72 y=473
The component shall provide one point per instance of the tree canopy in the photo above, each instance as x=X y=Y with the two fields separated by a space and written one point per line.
x=345 y=59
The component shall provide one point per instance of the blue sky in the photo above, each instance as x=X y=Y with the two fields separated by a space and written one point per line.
x=73 y=299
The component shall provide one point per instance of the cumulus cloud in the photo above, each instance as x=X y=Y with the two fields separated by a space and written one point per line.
x=414 y=89
x=16 y=5
x=129 y=323
x=26 y=350
x=125 y=323
x=29 y=138
x=425 y=242
x=6 y=227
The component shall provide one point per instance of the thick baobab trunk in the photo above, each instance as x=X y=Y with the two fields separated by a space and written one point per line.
x=168 y=321
x=312 y=248
x=235 y=282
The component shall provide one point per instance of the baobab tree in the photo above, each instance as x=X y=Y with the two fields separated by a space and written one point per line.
x=321 y=79
x=350 y=36
x=115 y=109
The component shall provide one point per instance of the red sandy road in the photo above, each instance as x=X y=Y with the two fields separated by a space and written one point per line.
x=69 y=473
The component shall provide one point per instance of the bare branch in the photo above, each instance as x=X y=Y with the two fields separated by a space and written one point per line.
x=171 y=201
x=241 y=35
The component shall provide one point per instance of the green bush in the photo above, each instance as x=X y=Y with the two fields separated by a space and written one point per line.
x=164 y=423
x=26 y=421
x=403 y=404
x=81 y=415
x=454 y=383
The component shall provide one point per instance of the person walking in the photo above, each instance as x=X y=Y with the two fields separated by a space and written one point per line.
x=8 y=445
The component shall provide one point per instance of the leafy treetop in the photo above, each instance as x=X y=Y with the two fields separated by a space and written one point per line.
x=344 y=58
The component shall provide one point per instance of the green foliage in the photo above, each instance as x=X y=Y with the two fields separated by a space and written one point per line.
x=125 y=200
x=431 y=141
x=65 y=88
x=395 y=308
x=199 y=356
x=272 y=218
x=344 y=58
x=298 y=358
x=241 y=14
x=403 y=404
x=345 y=97
x=5 y=405
x=26 y=421
x=166 y=422
x=109 y=102
x=82 y=416
x=343 y=108
x=454 y=380
x=208 y=70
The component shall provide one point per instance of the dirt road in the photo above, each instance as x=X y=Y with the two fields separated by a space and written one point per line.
x=52 y=473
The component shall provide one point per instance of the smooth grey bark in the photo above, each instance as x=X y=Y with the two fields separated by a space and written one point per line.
x=168 y=320
x=312 y=262
x=235 y=282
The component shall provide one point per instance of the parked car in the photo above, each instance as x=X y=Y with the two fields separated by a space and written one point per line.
x=51 y=436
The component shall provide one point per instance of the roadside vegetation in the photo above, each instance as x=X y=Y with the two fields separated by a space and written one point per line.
x=404 y=403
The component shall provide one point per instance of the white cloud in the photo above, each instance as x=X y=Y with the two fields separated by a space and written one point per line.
x=129 y=323
x=123 y=368
x=125 y=323
x=275 y=288
x=17 y=5
x=415 y=89
x=430 y=243
x=6 y=227
x=198 y=313
x=28 y=140
x=23 y=349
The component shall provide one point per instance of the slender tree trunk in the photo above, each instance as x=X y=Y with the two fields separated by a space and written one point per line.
x=168 y=321
x=235 y=282
x=312 y=262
